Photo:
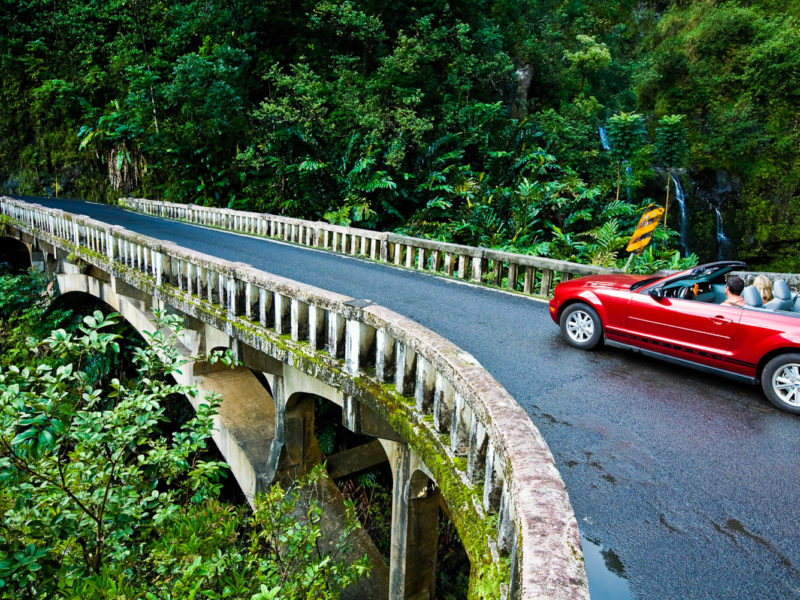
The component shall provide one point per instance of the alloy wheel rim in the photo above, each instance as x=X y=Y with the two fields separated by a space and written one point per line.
x=580 y=326
x=786 y=383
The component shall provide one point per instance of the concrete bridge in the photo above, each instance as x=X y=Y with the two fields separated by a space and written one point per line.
x=451 y=434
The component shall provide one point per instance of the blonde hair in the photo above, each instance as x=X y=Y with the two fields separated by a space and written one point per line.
x=764 y=287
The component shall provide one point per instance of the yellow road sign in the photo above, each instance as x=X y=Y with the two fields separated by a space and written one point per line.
x=644 y=230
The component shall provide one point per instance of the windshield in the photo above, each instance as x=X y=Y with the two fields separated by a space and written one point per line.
x=643 y=282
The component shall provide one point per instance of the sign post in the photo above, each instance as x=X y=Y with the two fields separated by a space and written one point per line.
x=644 y=232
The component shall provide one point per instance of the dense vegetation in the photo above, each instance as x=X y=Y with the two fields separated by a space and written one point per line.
x=104 y=495
x=477 y=122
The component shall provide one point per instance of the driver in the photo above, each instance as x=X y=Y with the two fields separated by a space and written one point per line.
x=733 y=292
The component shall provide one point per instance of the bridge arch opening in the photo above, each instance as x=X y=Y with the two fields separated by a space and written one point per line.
x=178 y=409
x=15 y=257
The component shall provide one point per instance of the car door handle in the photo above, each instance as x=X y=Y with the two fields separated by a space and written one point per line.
x=719 y=320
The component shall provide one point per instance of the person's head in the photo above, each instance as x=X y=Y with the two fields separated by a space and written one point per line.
x=764 y=287
x=735 y=285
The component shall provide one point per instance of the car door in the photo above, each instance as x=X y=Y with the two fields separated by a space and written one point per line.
x=688 y=329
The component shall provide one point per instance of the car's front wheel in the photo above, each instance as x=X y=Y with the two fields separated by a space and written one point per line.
x=780 y=381
x=581 y=326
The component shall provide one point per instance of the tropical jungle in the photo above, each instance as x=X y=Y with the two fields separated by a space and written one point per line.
x=543 y=127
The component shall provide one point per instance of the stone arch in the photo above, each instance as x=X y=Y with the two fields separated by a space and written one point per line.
x=15 y=255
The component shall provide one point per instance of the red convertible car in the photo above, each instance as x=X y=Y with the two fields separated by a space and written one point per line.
x=680 y=318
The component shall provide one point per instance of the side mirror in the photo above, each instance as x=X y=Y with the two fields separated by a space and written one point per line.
x=656 y=293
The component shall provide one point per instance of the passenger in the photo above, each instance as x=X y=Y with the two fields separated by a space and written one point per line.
x=764 y=286
x=733 y=291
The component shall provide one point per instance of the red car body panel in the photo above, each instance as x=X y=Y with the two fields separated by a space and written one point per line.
x=730 y=340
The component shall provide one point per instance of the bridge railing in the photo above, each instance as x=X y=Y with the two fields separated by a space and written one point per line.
x=489 y=458
x=515 y=272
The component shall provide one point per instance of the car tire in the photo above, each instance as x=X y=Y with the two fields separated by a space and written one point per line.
x=581 y=326
x=780 y=381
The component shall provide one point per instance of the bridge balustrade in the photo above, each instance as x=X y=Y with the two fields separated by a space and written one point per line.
x=515 y=272
x=492 y=465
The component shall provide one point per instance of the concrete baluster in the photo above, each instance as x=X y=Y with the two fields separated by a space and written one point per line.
x=425 y=385
x=235 y=297
x=505 y=523
x=359 y=341
x=180 y=266
x=250 y=300
x=398 y=253
x=476 y=455
x=511 y=282
x=316 y=327
x=405 y=369
x=421 y=265
x=442 y=403
x=497 y=272
x=158 y=267
x=384 y=254
x=528 y=279
x=547 y=282
x=493 y=479
x=384 y=356
x=222 y=295
x=211 y=279
x=266 y=315
x=336 y=334
x=436 y=261
x=460 y=421
x=146 y=260
x=410 y=252
x=299 y=318
x=463 y=261
x=478 y=268
x=283 y=324
x=200 y=283
x=448 y=263
x=364 y=241
x=190 y=276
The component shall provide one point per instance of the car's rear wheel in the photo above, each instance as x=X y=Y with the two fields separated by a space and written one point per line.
x=581 y=326
x=780 y=381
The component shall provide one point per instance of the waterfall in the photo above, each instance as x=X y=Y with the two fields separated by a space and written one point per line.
x=723 y=243
x=604 y=138
x=684 y=217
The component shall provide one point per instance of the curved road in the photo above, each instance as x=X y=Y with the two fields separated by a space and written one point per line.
x=689 y=483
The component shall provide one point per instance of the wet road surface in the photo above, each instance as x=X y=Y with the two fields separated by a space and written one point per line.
x=685 y=484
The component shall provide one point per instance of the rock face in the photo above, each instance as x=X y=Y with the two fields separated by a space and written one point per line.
x=713 y=202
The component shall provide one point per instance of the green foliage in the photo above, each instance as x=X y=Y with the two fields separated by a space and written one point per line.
x=671 y=144
x=730 y=67
x=25 y=311
x=99 y=501
x=627 y=135
x=426 y=118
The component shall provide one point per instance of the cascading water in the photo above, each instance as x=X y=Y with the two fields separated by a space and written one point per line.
x=604 y=138
x=723 y=243
x=684 y=217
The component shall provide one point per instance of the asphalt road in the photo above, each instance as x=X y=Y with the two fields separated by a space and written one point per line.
x=690 y=483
